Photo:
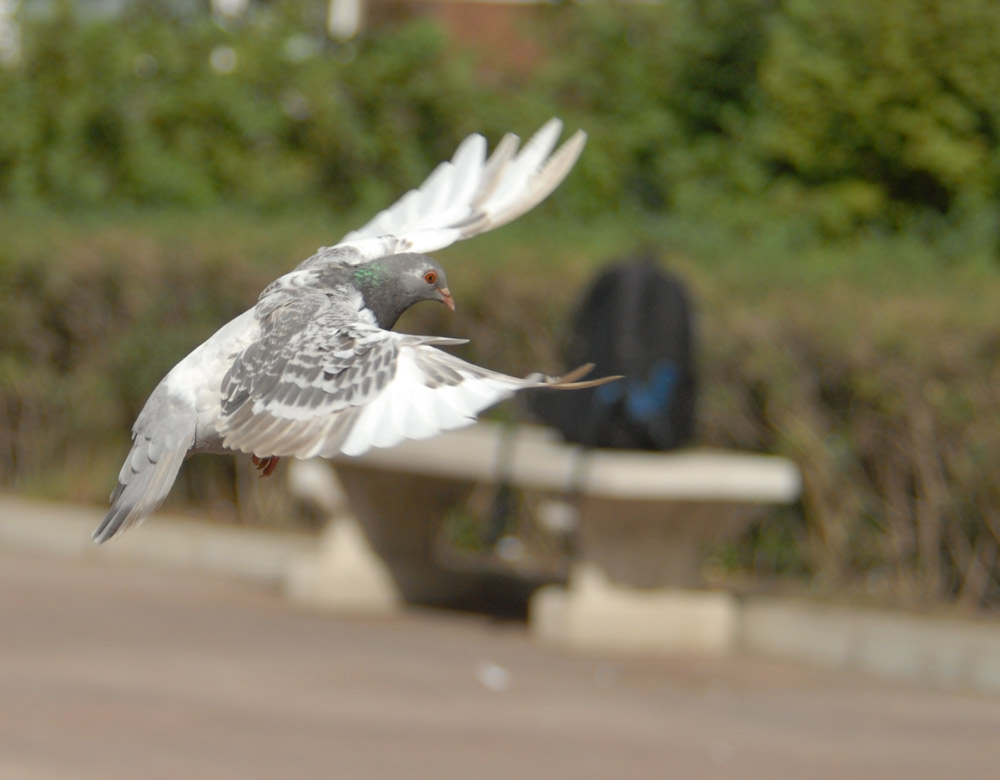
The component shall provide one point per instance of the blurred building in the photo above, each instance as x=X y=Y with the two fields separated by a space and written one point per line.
x=493 y=26
x=10 y=36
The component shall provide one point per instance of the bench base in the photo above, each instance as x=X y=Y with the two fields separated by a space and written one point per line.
x=345 y=575
x=596 y=614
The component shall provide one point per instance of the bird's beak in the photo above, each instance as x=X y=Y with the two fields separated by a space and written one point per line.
x=446 y=298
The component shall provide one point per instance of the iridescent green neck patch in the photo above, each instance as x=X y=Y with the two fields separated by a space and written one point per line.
x=368 y=274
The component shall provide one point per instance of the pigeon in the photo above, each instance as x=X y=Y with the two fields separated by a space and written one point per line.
x=315 y=369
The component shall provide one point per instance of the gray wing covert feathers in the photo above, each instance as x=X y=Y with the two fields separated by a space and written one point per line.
x=297 y=390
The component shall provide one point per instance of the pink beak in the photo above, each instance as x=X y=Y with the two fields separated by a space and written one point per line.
x=446 y=298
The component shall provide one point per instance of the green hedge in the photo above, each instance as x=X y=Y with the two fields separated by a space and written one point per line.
x=888 y=401
x=885 y=393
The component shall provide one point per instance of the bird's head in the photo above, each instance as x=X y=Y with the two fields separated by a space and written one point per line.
x=391 y=285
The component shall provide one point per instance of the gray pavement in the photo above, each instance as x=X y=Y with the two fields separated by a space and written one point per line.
x=117 y=668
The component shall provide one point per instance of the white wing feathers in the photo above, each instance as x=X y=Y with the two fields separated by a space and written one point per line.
x=410 y=407
x=471 y=194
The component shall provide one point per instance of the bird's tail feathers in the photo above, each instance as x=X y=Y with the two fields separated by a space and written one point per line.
x=140 y=491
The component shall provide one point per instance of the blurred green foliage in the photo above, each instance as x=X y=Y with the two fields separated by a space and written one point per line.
x=771 y=124
x=827 y=176
x=158 y=110
x=884 y=115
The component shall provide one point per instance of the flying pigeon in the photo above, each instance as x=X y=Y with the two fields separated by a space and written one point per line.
x=314 y=369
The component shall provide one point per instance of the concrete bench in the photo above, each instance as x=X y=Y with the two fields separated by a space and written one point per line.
x=643 y=519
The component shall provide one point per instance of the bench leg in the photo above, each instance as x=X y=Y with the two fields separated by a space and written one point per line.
x=346 y=575
x=596 y=614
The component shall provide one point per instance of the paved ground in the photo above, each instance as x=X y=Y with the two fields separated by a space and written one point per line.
x=110 y=669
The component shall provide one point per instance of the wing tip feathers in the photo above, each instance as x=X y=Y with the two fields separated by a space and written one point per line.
x=511 y=182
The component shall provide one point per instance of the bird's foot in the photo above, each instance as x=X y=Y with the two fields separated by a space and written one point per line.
x=266 y=465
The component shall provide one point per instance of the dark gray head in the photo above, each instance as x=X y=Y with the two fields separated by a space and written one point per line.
x=391 y=285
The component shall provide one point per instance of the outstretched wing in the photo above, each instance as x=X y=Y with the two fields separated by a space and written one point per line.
x=470 y=194
x=314 y=385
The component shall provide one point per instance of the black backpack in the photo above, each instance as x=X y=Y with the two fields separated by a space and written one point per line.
x=635 y=320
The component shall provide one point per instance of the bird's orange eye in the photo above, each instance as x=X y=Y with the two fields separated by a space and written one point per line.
x=431 y=277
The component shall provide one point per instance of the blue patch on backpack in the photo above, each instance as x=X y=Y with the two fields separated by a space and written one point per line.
x=644 y=399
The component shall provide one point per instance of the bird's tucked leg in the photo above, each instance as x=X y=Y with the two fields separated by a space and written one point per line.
x=266 y=465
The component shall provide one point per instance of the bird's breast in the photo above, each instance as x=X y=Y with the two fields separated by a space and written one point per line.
x=198 y=377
